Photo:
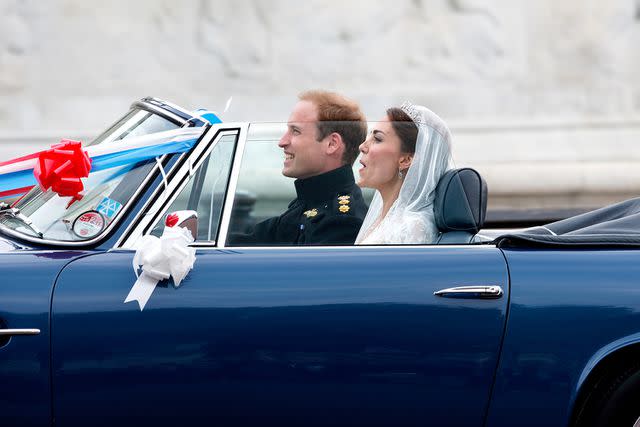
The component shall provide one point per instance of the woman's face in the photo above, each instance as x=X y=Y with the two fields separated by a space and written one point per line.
x=382 y=156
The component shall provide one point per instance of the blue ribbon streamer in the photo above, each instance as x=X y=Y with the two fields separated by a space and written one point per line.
x=19 y=179
x=136 y=155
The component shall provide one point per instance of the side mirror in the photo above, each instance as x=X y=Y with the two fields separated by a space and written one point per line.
x=184 y=219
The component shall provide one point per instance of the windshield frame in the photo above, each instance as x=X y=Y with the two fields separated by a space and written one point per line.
x=177 y=116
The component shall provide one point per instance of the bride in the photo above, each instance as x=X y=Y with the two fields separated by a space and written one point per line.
x=403 y=158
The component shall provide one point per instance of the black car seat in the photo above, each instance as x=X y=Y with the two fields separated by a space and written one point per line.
x=460 y=205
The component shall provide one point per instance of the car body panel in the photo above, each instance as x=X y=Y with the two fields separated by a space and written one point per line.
x=281 y=337
x=569 y=309
x=25 y=297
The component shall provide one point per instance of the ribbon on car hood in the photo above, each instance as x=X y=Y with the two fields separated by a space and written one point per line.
x=62 y=167
x=161 y=258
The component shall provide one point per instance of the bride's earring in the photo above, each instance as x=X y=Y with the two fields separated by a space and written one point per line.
x=400 y=174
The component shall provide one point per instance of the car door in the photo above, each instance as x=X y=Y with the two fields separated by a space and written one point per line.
x=277 y=336
x=25 y=298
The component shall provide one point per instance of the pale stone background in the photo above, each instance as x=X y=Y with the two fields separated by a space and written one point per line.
x=543 y=97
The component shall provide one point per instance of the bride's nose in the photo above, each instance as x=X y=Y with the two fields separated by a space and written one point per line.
x=363 y=146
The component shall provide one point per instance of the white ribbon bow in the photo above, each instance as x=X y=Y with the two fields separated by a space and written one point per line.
x=161 y=258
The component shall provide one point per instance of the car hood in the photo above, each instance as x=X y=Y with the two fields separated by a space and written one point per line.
x=11 y=252
x=7 y=245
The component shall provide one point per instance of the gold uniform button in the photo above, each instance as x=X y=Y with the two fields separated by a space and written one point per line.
x=343 y=208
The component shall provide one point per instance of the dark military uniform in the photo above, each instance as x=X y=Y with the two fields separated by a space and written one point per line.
x=329 y=210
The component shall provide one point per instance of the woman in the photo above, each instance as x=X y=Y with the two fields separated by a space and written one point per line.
x=403 y=158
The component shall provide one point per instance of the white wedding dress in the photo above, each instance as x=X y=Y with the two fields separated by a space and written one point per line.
x=401 y=229
x=411 y=218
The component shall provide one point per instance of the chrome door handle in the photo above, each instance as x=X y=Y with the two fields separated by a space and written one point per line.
x=11 y=332
x=481 y=292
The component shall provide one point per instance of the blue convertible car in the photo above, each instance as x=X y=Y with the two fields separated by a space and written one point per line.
x=540 y=328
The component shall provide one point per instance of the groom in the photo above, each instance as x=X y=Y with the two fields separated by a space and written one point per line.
x=321 y=143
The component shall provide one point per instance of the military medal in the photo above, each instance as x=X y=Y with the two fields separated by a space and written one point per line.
x=311 y=213
x=344 y=201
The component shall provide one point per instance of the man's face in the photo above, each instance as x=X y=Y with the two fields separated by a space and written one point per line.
x=304 y=155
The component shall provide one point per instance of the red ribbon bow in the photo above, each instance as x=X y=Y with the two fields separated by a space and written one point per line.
x=172 y=219
x=61 y=167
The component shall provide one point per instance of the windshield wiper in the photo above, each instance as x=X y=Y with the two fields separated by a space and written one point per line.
x=5 y=208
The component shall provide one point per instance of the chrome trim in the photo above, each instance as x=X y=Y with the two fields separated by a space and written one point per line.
x=176 y=107
x=471 y=292
x=151 y=210
x=209 y=246
x=231 y=187
x=147 y=106
x=12 y=332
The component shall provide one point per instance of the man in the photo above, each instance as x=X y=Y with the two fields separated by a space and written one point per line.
x=321 y=143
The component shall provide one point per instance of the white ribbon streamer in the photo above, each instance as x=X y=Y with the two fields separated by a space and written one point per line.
x=181 y=134
x=161 y=258
x=164 y=180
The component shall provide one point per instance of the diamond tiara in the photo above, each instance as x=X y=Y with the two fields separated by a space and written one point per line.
x=412 y=112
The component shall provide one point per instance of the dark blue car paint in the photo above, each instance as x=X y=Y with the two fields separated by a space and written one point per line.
x=569 y=309
x=25 y=296
x=313 y=336
x=281 y=337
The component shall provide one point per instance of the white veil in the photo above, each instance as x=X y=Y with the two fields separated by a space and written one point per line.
x=411 y=218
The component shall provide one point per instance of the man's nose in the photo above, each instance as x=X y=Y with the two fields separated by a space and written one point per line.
x=284 y=141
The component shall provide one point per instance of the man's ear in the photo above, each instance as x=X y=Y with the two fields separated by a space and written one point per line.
x=335 y=145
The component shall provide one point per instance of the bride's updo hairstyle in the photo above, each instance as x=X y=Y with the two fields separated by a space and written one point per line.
x=405 y=128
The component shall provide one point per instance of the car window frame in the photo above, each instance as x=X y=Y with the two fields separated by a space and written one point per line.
x=161 y=198
x=196 y=178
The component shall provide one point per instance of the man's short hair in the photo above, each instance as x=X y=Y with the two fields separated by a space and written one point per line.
x=339 y=114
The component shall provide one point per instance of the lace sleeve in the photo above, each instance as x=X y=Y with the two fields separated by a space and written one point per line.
x=404 y=229
x=415 y=229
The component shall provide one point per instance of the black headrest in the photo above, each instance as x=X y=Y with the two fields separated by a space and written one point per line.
x=461 y=201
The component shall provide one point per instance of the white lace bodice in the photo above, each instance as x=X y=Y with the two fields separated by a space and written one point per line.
x=401 y=229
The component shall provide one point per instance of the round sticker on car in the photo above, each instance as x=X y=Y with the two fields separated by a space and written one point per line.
x=89 y=224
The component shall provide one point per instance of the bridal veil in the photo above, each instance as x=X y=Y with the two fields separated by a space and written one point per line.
x=411 y=218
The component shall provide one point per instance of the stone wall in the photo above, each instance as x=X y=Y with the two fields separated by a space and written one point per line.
x=533 y=91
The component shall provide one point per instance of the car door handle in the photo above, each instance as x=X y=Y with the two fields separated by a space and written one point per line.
x=481 y=292
x=12 y=332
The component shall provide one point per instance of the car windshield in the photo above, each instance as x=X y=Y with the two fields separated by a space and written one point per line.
x=46 y=215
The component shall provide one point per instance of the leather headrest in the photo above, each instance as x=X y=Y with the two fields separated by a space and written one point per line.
x=461 y=201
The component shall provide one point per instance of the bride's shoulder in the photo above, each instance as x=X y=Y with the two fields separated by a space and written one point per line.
x=416 y=229
x=410 y=219
x=406 y=228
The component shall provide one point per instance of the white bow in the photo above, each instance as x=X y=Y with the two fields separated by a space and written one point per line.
x=161 y=258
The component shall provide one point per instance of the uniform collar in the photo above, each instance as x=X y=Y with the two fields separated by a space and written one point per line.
x=326 y=185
